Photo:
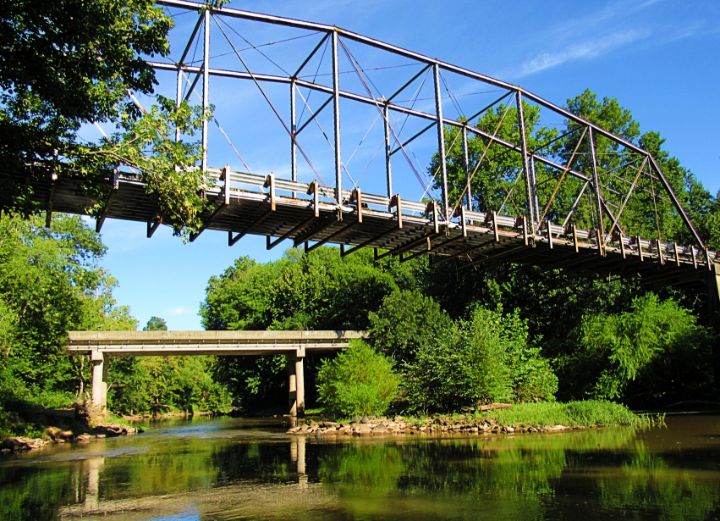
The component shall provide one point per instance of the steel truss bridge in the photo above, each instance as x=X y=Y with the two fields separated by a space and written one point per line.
x=566 y=196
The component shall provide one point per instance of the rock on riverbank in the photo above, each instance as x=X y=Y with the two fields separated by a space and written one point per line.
x=77 y=424
x=400 y=426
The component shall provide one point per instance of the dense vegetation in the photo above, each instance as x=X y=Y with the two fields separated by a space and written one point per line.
x=451 y=335
x=68 y=63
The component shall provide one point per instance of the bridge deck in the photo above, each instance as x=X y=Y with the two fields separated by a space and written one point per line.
x=165 y=343
x=308 y=214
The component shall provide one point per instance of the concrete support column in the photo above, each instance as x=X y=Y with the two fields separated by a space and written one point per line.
x=292 y=385
x=99 y=387
x=300 y=383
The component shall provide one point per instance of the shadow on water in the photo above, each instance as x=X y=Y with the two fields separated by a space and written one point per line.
x=249 y=469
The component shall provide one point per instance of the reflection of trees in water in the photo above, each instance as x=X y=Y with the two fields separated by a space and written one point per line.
x=29 y=494
x=650 y=483
x=513 y=477
x=524 y=477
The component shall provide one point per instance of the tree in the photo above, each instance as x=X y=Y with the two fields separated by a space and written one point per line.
x=49 y=284
x=487 y=358
x=155 y=324
x=68 y=63
x=650 y=352
x=495 y=169
x=407 y=322
x=318 y=290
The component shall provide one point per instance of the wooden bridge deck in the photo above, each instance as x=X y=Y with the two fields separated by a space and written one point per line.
x=308 y=214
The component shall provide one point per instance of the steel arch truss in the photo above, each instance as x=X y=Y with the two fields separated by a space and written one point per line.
x=512 y=175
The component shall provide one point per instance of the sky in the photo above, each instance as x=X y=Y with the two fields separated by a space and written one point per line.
x=659 y=58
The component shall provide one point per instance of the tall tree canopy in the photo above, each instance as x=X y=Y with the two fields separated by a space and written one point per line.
x=68 y=63
x=50 y=283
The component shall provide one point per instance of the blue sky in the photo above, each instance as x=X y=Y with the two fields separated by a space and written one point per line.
x=659 y=58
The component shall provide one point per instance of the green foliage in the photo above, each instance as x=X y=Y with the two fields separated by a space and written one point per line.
x=69 y=63
x=496 y=171
x=50 y=284
x=155 y=324
x=487 y=359
x=654 y=338
x=319 y=290
x=65 y=63
x=495 y=167
x=358 y=382
x=406 y=322
x=166 y=166
x=586 y=413
x=161 y=384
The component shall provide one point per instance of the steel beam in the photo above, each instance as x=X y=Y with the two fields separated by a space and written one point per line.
x=529 y=181
x=441 y=141
x=277 y=20
x=598 y=191
x=388 y=153
x=206 y=90
x=336 y=116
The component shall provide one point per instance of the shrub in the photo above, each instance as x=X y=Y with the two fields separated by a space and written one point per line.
x=629 y=353
x=358 y=382
x=480 y=360
x=405 y=323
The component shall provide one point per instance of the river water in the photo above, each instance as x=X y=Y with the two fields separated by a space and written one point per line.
x=231 y=469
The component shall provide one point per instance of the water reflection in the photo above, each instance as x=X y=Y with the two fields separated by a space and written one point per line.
x=229 y=469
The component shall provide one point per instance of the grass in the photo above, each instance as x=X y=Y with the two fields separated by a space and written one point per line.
x=576 y=414
x=588 y=413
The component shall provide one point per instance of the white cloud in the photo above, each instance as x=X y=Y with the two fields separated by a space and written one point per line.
x=180 y=311
x=581 y=51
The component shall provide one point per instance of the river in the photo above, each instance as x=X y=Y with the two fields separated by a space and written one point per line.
x=233 y=469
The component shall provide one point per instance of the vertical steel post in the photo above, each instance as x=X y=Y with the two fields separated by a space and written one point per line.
x=293 y=133
x=336 y=117
x=596 y=185
x=206 y=89
x=388 y=157
x=530 y=187
x=533 y=176
x=441 y=140
x=178 y=97
x=466 y=165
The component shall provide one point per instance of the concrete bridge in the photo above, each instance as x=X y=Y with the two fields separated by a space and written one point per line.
x=293 y=344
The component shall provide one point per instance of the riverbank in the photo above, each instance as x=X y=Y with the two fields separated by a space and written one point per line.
x=43 y=427
x=502 y=419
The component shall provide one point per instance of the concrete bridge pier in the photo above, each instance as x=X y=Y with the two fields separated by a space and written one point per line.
x=296 y=382
x=99 y=371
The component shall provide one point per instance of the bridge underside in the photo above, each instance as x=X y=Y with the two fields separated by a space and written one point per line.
x=293 y=344
x=307 y=214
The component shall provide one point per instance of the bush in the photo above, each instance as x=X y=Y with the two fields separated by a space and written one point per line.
x=358 y=382
x=405 y=323
x=480 y=360
x=628 y=355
